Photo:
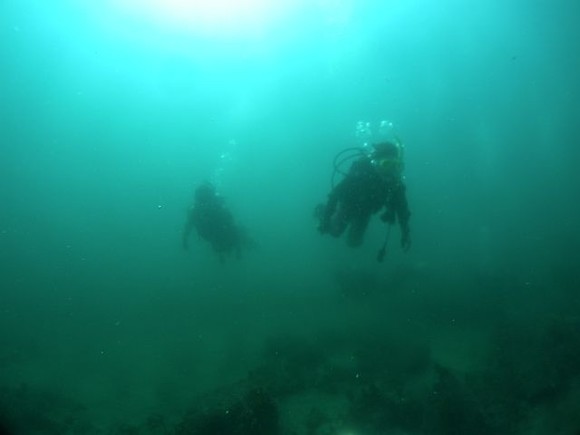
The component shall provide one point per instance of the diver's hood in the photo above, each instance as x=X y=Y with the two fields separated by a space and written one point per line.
x=205 y=192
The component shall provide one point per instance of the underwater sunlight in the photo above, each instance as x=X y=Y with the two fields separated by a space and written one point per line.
x=217 y=19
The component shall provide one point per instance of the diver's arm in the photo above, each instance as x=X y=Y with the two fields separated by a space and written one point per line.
x=189 y=224
x=337 y=194
x=403 y=216
x=331 y=204
x=329 y=210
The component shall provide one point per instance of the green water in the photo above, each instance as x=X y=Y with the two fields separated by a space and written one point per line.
x=110 y=119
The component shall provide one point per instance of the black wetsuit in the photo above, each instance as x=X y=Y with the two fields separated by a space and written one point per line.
x=215 y=224
x=362 y=193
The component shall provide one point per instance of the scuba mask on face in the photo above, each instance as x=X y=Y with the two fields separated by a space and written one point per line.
x=387 y=159
x=387 y=166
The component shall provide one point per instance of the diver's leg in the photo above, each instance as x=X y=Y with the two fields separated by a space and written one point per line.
x=356 y=232
x=339 y=222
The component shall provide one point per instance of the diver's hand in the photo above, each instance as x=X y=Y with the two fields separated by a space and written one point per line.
x=323 y=221
x=406 y=241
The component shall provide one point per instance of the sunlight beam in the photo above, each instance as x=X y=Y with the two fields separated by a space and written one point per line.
x=209 y=18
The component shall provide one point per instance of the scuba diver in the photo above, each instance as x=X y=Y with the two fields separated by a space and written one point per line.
x=373 y=182
x=214 y=223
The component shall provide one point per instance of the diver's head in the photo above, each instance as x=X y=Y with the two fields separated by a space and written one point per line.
x=387 y=158
x=205 y=192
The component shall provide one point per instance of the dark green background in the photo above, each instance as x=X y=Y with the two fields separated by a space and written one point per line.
x=106 y=127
